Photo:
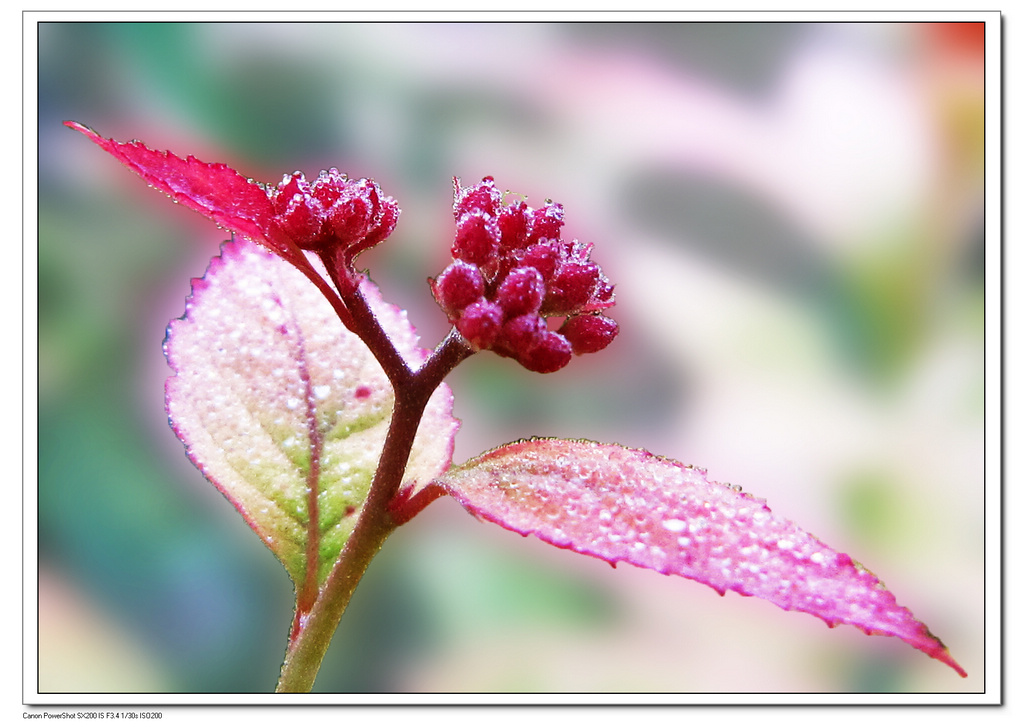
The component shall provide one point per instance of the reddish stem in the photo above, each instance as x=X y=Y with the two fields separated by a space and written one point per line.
x=405 y=506
x=307 y=593
x=312 y=635
x=363 y=322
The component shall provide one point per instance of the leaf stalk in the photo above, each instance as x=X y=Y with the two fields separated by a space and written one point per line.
x=312 y=631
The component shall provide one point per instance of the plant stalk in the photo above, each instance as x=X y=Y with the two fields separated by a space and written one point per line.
x=313 y=634
x=307 y=650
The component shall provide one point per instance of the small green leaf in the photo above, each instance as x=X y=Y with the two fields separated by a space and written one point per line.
x=284 y=409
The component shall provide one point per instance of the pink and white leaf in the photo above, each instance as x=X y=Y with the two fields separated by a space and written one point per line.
x=621 y=504
x=284 y=409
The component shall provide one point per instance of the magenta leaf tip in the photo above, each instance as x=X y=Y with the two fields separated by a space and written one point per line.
x=215 y=190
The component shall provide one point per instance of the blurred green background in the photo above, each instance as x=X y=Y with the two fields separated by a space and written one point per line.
x=792 y=215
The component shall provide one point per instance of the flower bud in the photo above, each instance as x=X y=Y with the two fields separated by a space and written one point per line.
x=521 y=334
x=514 y=224
x=359 y=218
x=511 y=272
x=298 y=213
x=333 y=214
x=543 y=257
x=458 y=286
x=547 y=223
x=550 y=354
x=476 y=240
x=522 y=291
x=385 y=221
x=483 y=197
x=589 y=333
x=329 y=186
x=571 y=288
x=480 y=324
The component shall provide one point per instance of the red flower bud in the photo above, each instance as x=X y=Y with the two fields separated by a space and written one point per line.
x=386 y=219
x=543 y=257
x=476 y=240
x=480 y=324
x=513 y=271
x=521 y=292
x=481 y=197
x=333 y=214
x=514 y=224
x=550 y=354
x=299 y=214
x=457 y=287
x=329 y=186
x=589 y=333
x=521 y=334
x=359 y=217
x=571 y=288
x=547 y=223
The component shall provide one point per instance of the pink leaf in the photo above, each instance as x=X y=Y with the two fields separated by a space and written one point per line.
x=622 y=504
x=285 y=410
x=214 y=190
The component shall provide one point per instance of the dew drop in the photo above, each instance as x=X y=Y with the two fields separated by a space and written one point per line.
x=673 y=525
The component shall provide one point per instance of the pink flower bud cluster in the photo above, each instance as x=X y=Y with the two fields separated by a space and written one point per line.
x=333 y=213
x=511 y=272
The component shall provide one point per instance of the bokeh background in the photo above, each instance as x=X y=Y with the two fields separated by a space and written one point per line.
x=792 y=215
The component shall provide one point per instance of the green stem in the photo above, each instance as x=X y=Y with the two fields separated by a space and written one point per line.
x=309 y=644
x=306 y=652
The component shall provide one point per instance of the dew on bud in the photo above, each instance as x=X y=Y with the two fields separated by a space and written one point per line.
x=483 y=197
x=480 y=324
x=547 y=223
x=589 y=333
x=458 y=286
x=521 y=292
x=476 y=239
x=511 y=257
x=552 y=353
